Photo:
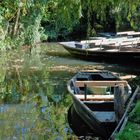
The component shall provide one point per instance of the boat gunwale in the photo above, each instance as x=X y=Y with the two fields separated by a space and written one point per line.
x=137 y=50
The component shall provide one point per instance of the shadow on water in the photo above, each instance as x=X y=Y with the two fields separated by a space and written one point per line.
x=62 y=56
x=33 y=95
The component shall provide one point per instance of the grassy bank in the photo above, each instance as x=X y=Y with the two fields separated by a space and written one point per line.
x=132 y=129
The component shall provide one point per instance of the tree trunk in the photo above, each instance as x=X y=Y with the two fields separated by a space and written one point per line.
x=16 y=22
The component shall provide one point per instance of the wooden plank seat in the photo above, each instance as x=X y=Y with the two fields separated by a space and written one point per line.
x=112 y=50
x=123 y=44
x=127 y=43
x=125 y=33
x=95 y=97
x=95 y=48
x=134 y=33
x=99 y=83
x=121 y=41
x=91 y=41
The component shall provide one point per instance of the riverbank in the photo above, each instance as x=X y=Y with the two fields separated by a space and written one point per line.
x=132 y=129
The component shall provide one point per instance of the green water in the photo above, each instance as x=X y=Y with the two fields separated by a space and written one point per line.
x=33 y=95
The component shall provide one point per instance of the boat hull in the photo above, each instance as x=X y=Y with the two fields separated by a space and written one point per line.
x=92 y=113
x=117 y=57
x=80 y=128
x=77 y=124
x=84 y=123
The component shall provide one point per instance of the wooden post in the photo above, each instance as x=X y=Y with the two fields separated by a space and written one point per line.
x=85 y=91
x=119 y=102
x=120 y=46
x=101 y=44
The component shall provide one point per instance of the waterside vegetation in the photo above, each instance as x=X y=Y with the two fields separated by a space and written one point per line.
x=27 y=22
x=132 y=129
x=26 y=103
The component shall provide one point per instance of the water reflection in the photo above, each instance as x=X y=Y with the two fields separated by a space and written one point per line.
x=34 y=100
x=33 y=95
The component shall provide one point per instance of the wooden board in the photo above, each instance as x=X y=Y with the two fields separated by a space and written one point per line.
x=95 y=97
x=125 y=32
x=99 y=83
x=127 y=77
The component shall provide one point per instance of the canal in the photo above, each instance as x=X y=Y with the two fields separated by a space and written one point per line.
x=33 y=94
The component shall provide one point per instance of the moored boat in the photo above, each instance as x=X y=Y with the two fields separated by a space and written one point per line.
x=95 y=110
x=120 y=49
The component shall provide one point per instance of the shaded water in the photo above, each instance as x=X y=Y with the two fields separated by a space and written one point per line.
x=33 y=96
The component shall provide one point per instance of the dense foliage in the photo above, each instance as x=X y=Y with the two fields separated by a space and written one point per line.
x=28 y=21
x=24 y=20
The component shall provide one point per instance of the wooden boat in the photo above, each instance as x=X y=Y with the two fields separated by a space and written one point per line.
x=119 y=34
x=120 y=49
x=128 y=33
x=95 y=110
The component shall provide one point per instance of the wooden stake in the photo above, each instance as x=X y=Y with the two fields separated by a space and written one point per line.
x=119 y=102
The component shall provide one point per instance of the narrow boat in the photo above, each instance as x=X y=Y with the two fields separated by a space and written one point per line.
x=96 y=111
x=128 y=34
x=120 y=49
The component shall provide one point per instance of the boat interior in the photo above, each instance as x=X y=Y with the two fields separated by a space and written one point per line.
x=122 y=41
x=96 y=85
x=122 y=44
x=96 y=91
